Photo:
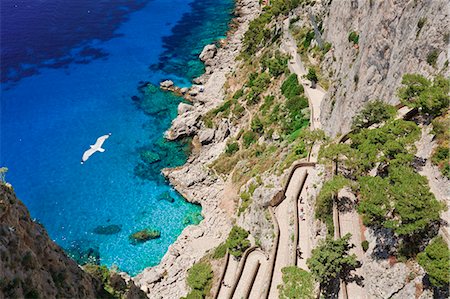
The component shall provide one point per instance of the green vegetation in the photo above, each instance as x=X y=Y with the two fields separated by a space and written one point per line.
x=430 y=97
x=291 y=88
x=144 y=235
x=392 y=144
x=258 y=35
x=331 y=260
x=114 y=285
x=232 y=148
x=199 y=280
x=325 y=199
x=432 y=57
x=246 y=201
x=220 y=251
x=401 y=201
x=248 y=138
x=420 y=25
x=295 y=105
x=440 y=156
x=374 y=112
x=353 y=37
x=365 y=245
x=276 y=63
x=297 y=284
x=237 y=241
x=312 y=76
x=436 y=262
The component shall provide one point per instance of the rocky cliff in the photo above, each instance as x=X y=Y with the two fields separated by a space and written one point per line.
x=395 y=37
x=32 y=265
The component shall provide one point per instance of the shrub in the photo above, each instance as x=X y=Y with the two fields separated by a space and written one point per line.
x=297 y=284
x=199 y=279
x=237 y=241
x=365 y=245
x=353 y=37
x=246 y=200
x=232 y=148
x=238 y=110
x=435 y=260
x=312 y=76
x=430 y=97
x=324 y=203
x=290 y=87
x=101 y=273
x=238 y=94
x=373 y=113
x=220 y=251
x=331 y=260
x=257 y=126
x=327 y=47
x=421 y=23
x=432 y=57
x=249 y=138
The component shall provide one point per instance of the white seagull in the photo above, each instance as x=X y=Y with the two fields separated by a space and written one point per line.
x=97 y=147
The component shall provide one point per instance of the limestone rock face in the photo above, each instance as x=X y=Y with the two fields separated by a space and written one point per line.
x=31 y=264
x=166 y=84
x=208 y=53
x=390 y=45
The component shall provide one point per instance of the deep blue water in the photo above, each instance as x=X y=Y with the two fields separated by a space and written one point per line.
x=72 y=71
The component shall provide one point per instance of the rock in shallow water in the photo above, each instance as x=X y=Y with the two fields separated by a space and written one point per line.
x=107 y=229
x=144 y=235
x=166 y=197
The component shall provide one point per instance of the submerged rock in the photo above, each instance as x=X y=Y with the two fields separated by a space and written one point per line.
x=144 y=235
x=193 y=218
x=149 y=157
x=84 y=253
x=166 y=196
x=107 y=229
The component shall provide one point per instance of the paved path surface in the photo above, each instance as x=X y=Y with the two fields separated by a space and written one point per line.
x=284 y=214
x=254 y=258
x=304 y=229
x=349 y=222
x=225 y=289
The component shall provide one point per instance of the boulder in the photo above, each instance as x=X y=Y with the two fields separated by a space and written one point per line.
x=206 y=136
x=166 y=84
x=183 y=108
x=209 y=51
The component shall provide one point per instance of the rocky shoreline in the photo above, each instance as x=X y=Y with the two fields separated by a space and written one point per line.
x=195 y=182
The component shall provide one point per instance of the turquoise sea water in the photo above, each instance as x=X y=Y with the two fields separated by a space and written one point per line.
x=65 y=85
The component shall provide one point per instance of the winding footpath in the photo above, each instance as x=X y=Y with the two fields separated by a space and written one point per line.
x=258 y=276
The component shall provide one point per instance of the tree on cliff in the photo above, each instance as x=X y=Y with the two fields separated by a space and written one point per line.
x=237 y=241
x=401 y=201
x=330 y=261
x=373 y=113
x=297 y=284
x=436 y=262
x=430 y=97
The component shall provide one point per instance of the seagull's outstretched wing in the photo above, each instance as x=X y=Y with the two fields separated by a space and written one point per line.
x=97 y=147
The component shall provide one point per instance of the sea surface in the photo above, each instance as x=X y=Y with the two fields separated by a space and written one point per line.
x=72 y=71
